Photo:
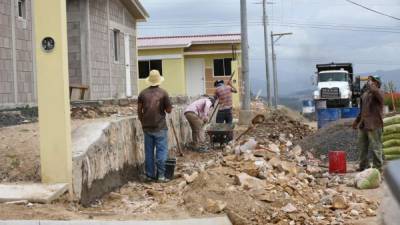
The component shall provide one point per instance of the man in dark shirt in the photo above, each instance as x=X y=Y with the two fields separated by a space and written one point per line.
x=153 y=104
x=370 y=124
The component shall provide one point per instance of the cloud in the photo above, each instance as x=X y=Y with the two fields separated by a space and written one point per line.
x=324 y=31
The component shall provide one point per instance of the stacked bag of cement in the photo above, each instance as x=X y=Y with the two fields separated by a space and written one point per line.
x=391 y=137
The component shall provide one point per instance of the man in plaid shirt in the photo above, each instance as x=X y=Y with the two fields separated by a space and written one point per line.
x=224 y=94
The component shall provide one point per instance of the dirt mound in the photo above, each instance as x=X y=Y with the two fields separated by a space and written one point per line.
x=279 y=124
x=336 y=136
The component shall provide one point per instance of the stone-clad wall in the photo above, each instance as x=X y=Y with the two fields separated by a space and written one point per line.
x=17 y=81
x=108 y=154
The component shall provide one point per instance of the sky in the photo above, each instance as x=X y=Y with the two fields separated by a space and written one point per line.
x=324 y=31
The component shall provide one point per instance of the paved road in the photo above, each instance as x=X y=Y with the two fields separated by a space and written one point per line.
x=204 y=221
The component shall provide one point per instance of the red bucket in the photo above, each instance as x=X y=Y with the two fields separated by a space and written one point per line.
x=337 y=162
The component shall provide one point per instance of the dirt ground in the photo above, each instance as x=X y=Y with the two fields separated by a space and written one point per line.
x=286 y=188
x=19 y=151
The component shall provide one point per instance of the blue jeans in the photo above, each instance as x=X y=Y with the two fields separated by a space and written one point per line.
x=155 y=163
x=224 y=116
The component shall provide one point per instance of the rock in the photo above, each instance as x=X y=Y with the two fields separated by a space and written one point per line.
x=313 y=169
x=236 y=219
x=289 y=208
x=289 y=167
x=191 y=178
x=370 y=212
x=20 y=202
x=215 y=206
x=250 y=168
x=339 y=202
x=274 y=148
x=249 y=182
x=114 y=196
x=275 y=162
x=182 y=185
x=354 y=213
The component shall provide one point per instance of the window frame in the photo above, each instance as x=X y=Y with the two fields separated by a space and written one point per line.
x=223 y=67
x=150 y=67
x=21 y=5
x=116 y=45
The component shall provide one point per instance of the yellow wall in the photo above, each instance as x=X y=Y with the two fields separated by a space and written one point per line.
x=173 y=71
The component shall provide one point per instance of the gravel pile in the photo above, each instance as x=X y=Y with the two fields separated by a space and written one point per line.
x=335 y=136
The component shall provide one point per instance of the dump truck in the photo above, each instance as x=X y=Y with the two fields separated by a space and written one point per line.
x=336 y=85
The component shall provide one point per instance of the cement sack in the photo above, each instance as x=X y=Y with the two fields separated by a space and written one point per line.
x=391 y=120
x=391 y=143
x=391 y=129
x=388 y=137
x=391 y=151
x=368 y=179
x=392 y=157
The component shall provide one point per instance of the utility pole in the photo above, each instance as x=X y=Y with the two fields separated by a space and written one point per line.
x=245 y=56
x=274 y=70
x=268 y=80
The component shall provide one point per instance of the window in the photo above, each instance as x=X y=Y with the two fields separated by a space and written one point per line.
x=21 y=9
x=223 y=67
x=116 y=44
x=147 y=65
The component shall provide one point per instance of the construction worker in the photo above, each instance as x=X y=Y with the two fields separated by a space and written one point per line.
x=224 y=95
x=370 y=124
x=197 y=115
x=153 y=104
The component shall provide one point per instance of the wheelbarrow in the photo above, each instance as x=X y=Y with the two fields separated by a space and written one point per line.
x=220 y=133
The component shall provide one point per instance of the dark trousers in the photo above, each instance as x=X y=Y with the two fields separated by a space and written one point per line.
x=370 y=141
x=224 y=116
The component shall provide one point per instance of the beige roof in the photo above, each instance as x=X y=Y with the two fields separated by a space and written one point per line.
x=186 y=41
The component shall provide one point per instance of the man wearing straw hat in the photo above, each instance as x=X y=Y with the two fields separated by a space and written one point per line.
x=153 y=104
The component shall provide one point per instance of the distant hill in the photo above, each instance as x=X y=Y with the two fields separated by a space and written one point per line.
x=390 y=75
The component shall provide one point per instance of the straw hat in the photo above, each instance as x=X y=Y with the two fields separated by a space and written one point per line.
x=154 y=78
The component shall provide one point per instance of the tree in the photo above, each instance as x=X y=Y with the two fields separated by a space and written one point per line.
x=390 y=87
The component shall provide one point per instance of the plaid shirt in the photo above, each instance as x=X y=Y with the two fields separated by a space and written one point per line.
x=224 y=94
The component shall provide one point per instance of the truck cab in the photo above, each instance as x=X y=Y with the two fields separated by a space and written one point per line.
x=334 y=84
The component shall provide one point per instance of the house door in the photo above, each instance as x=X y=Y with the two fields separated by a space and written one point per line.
x=195 y=70
x=127 y=66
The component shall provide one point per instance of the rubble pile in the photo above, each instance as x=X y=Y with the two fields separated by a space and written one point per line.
x=262 y=186
x=101 y=111
x=279 y=124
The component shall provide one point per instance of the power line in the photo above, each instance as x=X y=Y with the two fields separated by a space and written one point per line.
x=372 y=10
x=361 y=62
x=292 y=24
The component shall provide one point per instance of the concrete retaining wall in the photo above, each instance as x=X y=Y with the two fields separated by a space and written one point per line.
x=106 y=155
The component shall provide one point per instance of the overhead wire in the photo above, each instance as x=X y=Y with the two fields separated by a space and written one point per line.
x=372 y=10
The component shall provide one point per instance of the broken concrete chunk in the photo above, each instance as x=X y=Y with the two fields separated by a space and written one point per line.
x=248 y=182
x=215 y=206
x=274 y=148
x=289 y=208
x=275 y=162
x=191 y=178
x=339 y=202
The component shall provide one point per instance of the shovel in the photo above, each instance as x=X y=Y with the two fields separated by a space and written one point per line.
x=258 y=119
x=176 y=137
